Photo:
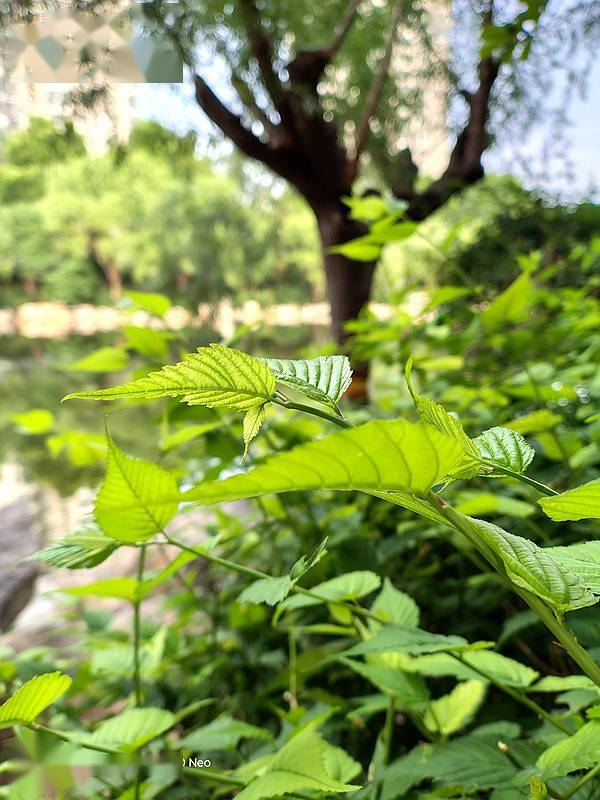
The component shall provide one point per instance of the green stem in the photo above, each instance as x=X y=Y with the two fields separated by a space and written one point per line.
x=541 y=487
x=293 y=669
x=35 y=726
x=258 y=575
x=316 y=412
x=137 y=682
x=582 y=782
x=517 y=695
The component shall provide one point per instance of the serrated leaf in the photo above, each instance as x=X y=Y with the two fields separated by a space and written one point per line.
x=223 y=733
x=253 y=420
x=214 y=376
x=580 y=751
x=132 y=729
x=583 y=502
x=472 y=762
x=505 y=448
x=582 y=559
x=455 y=710
x=125 y=506
x=105 y=359
x=86 y=548
x=532 y=568
x=377 y=457
x=299 y=765
x=324 y=379
x=267 y=590
x=350 y=586
x=306 y=563
x=394 y=606
x=436 y=415
x=400 y=639
x=32 y=698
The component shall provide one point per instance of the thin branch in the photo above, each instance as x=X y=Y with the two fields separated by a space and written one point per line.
x=342 y=29
x=374 y=95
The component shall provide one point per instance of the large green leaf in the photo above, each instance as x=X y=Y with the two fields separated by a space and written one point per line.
x=32 y=698
x=85 y=548
x=223 y=733
x=377 y=457
x=532 y=568
x=505 y=448
x=126 y=507
x=400 y=639
x=213 y=376
x=455 y=710
x=582 y=559
x=472 y=664
x=299 y=765
x=132 y=729
x=324 y=379
x=473 y=762
x=580 y=751
x=583 y=502
x=436 y=415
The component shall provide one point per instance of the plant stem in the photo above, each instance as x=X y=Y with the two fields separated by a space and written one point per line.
x=293 y=669
x=582 y=781
x=316 y=412
x=258 y=575
x=137 y=682
x=541 y=487
x=35 y=726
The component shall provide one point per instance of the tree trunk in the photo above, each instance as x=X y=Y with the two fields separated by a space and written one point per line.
x=348 y=282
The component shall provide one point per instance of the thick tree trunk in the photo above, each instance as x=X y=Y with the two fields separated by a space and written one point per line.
x=348 y=282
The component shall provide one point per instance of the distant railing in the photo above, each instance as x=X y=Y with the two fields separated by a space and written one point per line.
x=46 y=320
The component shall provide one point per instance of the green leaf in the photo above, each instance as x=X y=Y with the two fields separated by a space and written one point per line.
x=537 y=789
x=532 y=568
x=155 y=303
x=506 y=448
x=512 y=305
x=350 y=586
x=455 y=710
x=583 y=502
x=580 y=751
x=306 y=563
x=34 y=422
x=394 y=606
x=253 y=420
x=582 y=559
x=32 y=698
x=267 y=590
x=299 y=765
x=86 y=548
x=223 y=733
x=499 y=668
x=394 y=456
x=409 y=689
x=215 y=376
x=472 y=762
x=324 y=379
x=536 y=422
x=365 y=248
x=106 y=359
x=147 y=342
x=83 y=449
x=564 y=683
x=436 y=415
x=483 y=504
x=400 y=639
x=132 y=729
x=125 y=506
x=187 y=434
x=119 y=588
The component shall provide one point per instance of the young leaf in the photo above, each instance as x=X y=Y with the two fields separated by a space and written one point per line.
x=267 y=590
x=436 y=415
x=394 y=456
x=582 y=559
x=455 y=710
x=583 y=502
x=32 y=698
x=125 y=506
x=253 y=420
x=394 y=606
x=506 y=448
x=213 y=376
x=531 y=568
x=580 y=751
x=350 y=586
x=299 y=765
x=86 y=548
x=305 y=563
x=324 y=379
x=132 y=729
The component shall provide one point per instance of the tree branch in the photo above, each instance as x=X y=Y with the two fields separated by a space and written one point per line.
x=342 y=29
x=375 y=90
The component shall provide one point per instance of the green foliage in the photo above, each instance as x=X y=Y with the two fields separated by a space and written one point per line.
x=32 y=698
x=580 y=503
x=43 y=143
x=324 y=379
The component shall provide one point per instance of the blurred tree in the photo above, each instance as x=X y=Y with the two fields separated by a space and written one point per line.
x=42 y=143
